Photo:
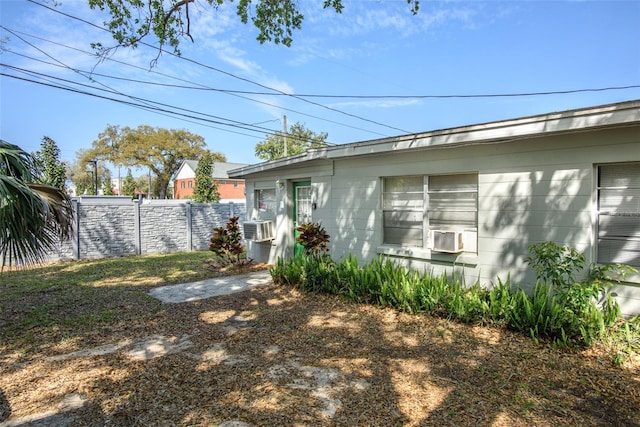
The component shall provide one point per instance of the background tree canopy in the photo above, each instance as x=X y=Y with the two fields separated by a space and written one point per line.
x=299 y=140
x=48 y=169
x=81 y=173
x=160 y=150
x=169 y=21
x=206 y=190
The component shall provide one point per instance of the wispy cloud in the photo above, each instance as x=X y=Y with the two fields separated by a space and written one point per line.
x=376 y=103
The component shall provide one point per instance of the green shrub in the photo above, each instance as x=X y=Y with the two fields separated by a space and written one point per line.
x=432 y=294
x=559 y=310
x=288 y=272
x=358 y=284
x=499 y=300
x=226 y=242
x=313 y=238
x=319 y=274
x=553 y=264
x=573 y=312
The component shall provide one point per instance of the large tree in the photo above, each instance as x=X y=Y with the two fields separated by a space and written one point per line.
x=33 y=217
x=48 y=168
x=298 y=140
x=206 y=190
x=160 y=150
x=169 y=21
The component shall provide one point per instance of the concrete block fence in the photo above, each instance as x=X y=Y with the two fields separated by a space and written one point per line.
x=117 y=226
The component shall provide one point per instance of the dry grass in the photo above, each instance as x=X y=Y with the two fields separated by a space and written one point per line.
x=82 y=344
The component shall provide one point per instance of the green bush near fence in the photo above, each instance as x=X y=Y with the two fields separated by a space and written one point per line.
x=560 y=310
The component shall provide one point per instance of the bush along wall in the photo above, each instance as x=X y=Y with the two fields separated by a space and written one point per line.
x=560 y=310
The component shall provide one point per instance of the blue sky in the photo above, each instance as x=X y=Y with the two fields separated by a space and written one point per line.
x=375 y=66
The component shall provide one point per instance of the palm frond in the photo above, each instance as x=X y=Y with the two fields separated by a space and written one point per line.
x=15 y=162
x=33 y=217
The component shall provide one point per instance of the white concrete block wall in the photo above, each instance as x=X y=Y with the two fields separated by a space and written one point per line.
x=106 y=230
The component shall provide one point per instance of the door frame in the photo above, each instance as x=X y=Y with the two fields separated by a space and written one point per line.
x=297 y=248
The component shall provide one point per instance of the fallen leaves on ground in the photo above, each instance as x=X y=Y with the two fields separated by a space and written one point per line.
x=275 y=356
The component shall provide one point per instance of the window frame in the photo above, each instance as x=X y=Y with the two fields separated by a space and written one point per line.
x=264 y=213
x=425 y=249
x=613 y=214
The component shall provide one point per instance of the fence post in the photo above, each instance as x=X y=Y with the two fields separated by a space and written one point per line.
x=189 y=227
x=136 y=226
x=231 y=215
x=75 y=243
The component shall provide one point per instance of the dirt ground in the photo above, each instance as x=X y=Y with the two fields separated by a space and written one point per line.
x=274 y=356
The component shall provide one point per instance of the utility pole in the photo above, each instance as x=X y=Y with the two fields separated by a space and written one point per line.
x=284 y=122
x=149 y=194
x=95 y=172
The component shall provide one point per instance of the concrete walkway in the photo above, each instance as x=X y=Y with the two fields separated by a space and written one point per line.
x=210 y=288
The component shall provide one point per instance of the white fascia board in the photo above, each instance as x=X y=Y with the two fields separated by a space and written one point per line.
x=621 y=114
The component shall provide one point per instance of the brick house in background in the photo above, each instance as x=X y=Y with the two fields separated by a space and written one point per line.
x=230 y=190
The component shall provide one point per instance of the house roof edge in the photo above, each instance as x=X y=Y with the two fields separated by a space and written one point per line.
x=616 y=114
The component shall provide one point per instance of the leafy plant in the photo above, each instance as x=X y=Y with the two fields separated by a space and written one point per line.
x=33 y=217
x=313 y=238
x=226 y=242
x=574 y=305
x=555 y=264
x=563 y=312
x=289 y=273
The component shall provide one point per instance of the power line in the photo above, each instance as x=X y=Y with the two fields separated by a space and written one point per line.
x=231 y=74
x=145 y=106
x=494 y=95
x=199 y=86
x=277 y=92
x=148 y=105
x=121 y=101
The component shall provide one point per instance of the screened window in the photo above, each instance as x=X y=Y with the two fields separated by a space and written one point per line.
x=414 y=206
x=453 y=202
x=265 y=200
x=618 y=214
x=403 y=210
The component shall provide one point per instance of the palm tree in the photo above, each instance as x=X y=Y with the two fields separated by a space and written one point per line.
x=33 y=217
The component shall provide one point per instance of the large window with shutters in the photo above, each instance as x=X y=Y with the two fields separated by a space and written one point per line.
x=618 y=213
x=416 y=206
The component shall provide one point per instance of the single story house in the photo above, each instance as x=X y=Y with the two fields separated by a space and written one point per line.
x=230 y=190
x=469 y=199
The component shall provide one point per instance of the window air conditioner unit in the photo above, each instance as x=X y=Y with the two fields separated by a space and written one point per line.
x=258 y=231
x=447 y=241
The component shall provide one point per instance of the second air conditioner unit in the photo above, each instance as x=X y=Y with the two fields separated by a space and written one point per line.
x=447 y=241
x=258 y=231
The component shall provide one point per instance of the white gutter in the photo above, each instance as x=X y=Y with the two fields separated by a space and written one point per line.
x=620 y=114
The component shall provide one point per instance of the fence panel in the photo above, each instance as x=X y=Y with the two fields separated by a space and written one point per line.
x=118 y=226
